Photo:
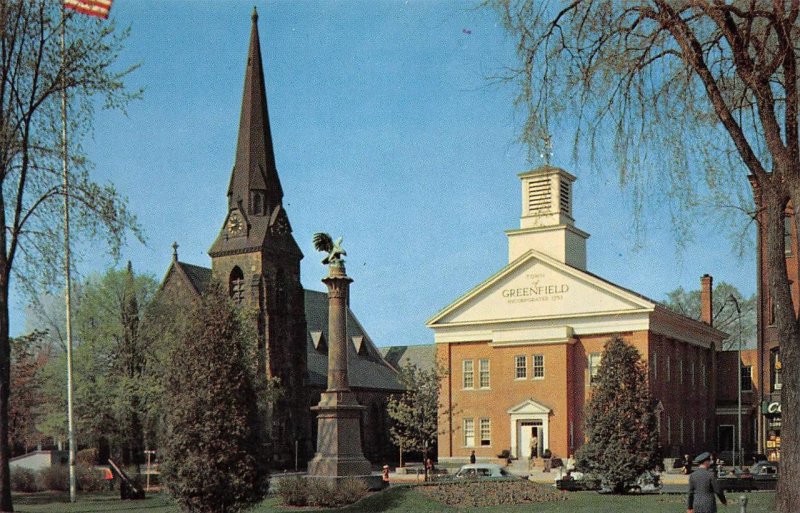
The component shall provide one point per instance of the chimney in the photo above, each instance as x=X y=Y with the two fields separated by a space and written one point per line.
x=706 y=300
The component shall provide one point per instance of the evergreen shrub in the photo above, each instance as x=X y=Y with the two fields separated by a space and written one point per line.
x=215 y=450
x=24 y=480
x=55 y=478
x=90 y=478
x=297 y=491
x=292 y=491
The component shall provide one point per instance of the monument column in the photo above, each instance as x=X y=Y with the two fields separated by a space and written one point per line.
x=338 y=413
x=338 y=284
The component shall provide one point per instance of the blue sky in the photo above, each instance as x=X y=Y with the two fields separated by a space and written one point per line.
x=386 y=130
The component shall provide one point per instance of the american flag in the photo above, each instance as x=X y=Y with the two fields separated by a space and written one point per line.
x=98 y=8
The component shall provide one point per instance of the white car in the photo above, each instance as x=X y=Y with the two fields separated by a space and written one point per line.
x=483 y=471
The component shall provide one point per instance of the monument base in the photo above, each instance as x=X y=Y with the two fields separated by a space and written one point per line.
x=373 y=481
x=338 y=437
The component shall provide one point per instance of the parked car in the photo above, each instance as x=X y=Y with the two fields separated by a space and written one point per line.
x=765 y=469
x=483 y=471
x=648 y=482
x=736 y=480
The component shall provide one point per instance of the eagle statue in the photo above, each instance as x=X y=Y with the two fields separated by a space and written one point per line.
x=323 y=242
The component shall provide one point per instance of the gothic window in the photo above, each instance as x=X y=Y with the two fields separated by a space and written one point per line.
x=257 y=202
x=236 y=285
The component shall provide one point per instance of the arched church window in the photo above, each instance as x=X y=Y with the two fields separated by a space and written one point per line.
x=236 y=285
x=257 y=202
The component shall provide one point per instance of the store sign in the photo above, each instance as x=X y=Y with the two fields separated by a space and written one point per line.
x=536 y=289
x=771 y=408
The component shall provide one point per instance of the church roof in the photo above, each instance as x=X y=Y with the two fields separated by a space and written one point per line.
x=422 y=356
x=365 y=364
x=198 y=276
x=367 y=367
x=254 y=167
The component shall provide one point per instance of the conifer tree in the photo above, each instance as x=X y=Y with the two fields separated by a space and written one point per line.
x=215 y=456
x=621 y=425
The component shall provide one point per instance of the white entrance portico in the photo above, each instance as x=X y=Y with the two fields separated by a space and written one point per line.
x=527 y=418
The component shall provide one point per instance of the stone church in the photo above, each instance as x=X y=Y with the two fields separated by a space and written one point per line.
x=257 y=258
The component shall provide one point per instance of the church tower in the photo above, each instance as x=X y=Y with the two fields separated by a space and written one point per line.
x=258 y=260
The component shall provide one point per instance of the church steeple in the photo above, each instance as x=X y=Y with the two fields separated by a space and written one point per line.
x=254 y=186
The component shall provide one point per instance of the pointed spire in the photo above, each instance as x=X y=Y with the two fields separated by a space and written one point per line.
x=175 y=251
x=254 y=170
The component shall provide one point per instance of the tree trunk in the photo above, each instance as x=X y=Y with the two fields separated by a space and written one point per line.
x=788 y=493
x=5 y=383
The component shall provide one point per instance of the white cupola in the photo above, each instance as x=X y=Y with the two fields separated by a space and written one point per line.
x=546 y=223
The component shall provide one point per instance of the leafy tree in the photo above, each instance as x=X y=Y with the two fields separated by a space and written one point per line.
x=33 y=76
x=29 y=355
x=415 y=412
x=690 y=96
x=621 y=425
x=726 y=318
x=215 y=452
x=110 y=361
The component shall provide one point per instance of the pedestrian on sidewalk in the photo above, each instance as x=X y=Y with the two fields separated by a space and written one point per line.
x=703 y=487
x=385 y=476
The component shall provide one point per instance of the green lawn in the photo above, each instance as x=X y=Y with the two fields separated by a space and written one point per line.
x=397 y=500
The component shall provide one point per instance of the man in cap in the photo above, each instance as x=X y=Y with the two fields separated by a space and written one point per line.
x=703 y=485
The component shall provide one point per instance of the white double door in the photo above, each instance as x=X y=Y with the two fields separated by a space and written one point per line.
x=526 y=430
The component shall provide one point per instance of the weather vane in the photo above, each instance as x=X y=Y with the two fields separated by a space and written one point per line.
x=547 y=148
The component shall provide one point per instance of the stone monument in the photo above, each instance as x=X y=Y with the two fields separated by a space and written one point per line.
x=338 y=413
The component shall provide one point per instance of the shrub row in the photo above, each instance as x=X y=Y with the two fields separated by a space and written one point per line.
x=56 y=478
x=297 y=491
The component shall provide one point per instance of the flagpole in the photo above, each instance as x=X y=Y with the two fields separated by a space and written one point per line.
x=67 y=265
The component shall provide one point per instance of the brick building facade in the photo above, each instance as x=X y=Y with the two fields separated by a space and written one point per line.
x=521 y=348
x=768 y=379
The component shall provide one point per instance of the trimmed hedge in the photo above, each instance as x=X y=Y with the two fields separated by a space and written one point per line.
x=298 y=491
x=24 y=480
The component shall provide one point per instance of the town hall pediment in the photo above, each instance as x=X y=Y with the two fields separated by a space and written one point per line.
x=537 y=286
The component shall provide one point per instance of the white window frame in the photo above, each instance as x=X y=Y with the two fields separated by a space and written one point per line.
x=465 y=374
x=655 y=366
x=668 y=374
x=535 y=366
x=484 y=371
x=749 y=369
x=485 y=426
x=520 y=372
x=595 y=367
x=468 y=425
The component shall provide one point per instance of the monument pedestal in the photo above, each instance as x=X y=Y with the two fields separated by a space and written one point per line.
x=338 y=437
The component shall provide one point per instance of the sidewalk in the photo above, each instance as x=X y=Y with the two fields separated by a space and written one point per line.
x=537 y=475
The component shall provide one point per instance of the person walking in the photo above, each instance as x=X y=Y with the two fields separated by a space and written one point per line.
x=703 y=486
x=534 y=449
x=472 y=458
